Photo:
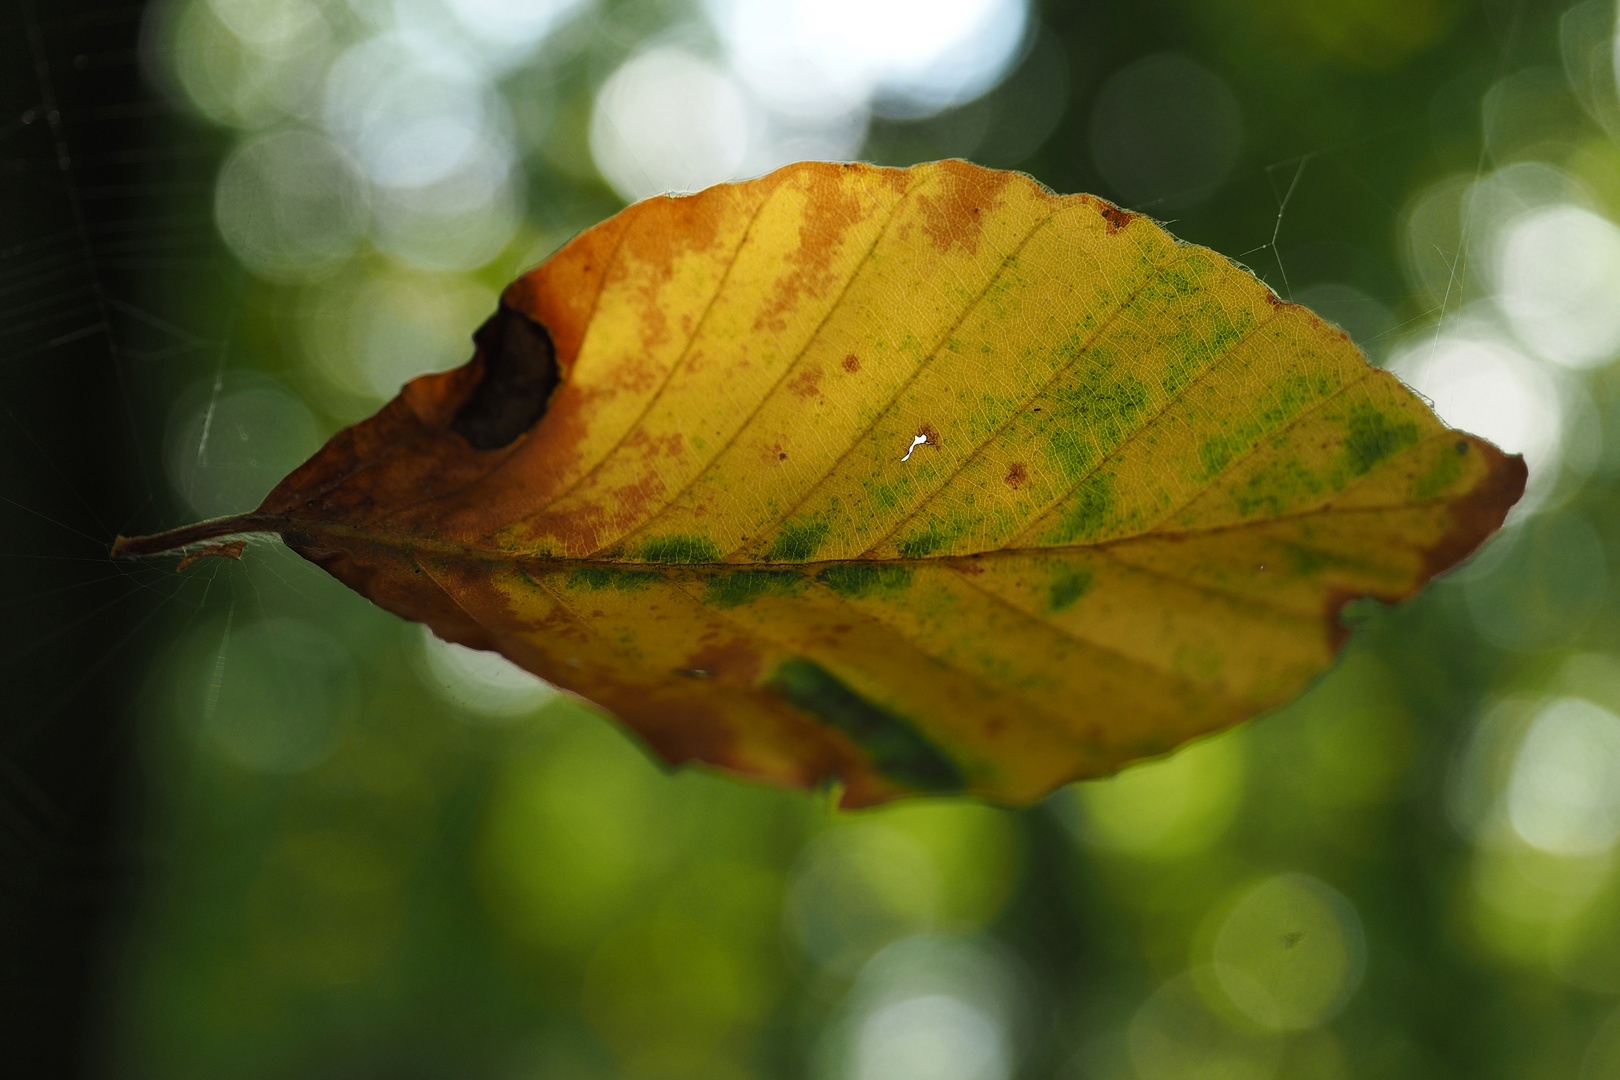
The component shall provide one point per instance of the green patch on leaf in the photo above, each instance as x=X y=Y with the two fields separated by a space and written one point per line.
x=1447 y=467
x=798 y=541
x=1216 y=453
x=855 y=581
x=1371 y=437
x=894 y=746
x=1308 y=561
x=1103 y=404
x=884 y=496
x=744 y=586
x=1288 y=398
x=1071 y=451
x=1277 y=488
x=1194 y=349
x=597 y=578
x=1069 y=584
x=923 y=544
x=1091 y=509
x=680 y=549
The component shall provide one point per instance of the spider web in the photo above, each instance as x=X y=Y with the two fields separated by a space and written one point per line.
x=85 y=363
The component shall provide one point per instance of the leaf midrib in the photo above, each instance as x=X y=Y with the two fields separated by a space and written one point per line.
x=407 y=543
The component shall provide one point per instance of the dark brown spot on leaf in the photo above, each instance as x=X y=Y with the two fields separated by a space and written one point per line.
x=1016 y=476
x=1116 y=218
x=852 y=363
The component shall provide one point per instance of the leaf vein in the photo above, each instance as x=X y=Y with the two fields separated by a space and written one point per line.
x=888 y=406
x=1147 y=425
x=657 y=395
x=1259 y=445
x=787 y=371
x=1095 y=646
x=1024 y=406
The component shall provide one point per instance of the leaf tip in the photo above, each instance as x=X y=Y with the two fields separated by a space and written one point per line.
x=1480 y=513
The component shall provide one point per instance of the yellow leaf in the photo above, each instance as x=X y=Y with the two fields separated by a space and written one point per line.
x=920 y=480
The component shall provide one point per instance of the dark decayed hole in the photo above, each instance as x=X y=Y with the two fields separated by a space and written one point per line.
x=520 y=372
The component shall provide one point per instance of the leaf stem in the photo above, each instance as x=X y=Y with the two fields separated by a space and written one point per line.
x=130 y=547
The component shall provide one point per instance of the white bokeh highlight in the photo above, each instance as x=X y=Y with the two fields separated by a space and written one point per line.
x=511 y=25
x=912 y=58
x=272 y=26
x=407 y=121
x=290 y=206
x=669 y=121
x=434 y=138
x=493 y=37
x=927 y=1008
x=1482 y=384
x=1558 y=284
x=931 y=1037
x=483 y=686
x=1564 y=793
x=460 y=222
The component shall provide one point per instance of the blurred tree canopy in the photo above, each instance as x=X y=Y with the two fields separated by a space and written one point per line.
x=360 y=852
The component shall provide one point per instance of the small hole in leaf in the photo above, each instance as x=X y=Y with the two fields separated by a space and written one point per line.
x=520 y=372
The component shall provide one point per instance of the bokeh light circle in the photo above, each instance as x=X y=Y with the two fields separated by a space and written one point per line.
x=1290 y=953
x=854 y=890
x=668 y=121
x=929 y=1007
x=246 y=64
x=511 y=25
x=482 y=685
x=460 y=222
x=1176 y=1034
x=278 y=695
x=228 y=445
x=1558 y=280
x=289 y=205
x=1564 y=794
x=268 y=26
x=1165 y=132
x=407 y=122
x=402 y=325
x=1165 y=809
x=931 y=1037
x=906 y=58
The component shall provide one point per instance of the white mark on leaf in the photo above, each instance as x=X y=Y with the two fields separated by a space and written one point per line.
x=915 y=442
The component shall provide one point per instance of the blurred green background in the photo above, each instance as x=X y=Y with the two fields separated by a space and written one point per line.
x=360 y=852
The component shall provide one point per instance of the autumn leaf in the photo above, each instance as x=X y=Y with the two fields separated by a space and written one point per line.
x=921 y=480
